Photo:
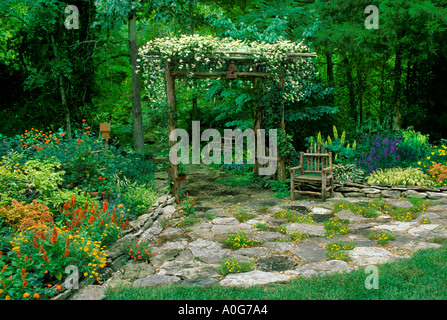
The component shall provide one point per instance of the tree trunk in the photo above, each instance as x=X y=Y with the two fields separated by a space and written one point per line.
x=397 y=117
x=62 y=92
x=281 y=160
x=172 y=125
x=137 y=118
x=330 y=75
x=352 y=103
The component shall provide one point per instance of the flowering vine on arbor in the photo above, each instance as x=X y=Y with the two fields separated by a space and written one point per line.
x=207 y=56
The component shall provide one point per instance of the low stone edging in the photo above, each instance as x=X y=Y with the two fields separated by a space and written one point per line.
x=355 y=189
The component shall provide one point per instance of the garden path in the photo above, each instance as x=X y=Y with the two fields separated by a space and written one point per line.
x=192 y=254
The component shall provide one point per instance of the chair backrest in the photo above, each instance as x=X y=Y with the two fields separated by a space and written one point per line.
x=315 y=159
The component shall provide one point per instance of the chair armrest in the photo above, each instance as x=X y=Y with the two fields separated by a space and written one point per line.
x=329 y=169
x=295 y=168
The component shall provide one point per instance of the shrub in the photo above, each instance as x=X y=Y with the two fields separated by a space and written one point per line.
x=439 y=173
x=342 y=151
x=22 y=217
x=188 y=205
x=384 y=153
x=413 y=146
x=28 y=180
x=282 y=189
x=400 y=176
x=137 y=197
x=138 y=250
x=350 y=172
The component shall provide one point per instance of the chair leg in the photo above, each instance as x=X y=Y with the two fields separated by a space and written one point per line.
x=332 y=187
x=323 y=189
x=292 y=185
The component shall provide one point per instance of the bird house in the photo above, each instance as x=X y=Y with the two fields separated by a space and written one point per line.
x=104 y=128
x=231 y=72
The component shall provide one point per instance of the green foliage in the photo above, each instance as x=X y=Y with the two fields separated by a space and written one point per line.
x=414 y=145
x=23 y=217
x=381 y=237
x=282 y=189
x=341 y=149
x=439 y=173
x=242 y=215
x=140 y=251
x=234 y=266
x=400 y=177
x=368 y=211
x=30 y=180
x=350 y=172
x=336 y=226
x=138 y=197
x=188 y=205
x=238 y=240
x=337 y=250
x=294 y=217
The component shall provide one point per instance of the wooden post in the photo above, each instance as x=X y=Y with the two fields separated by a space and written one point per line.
x=281 y=161
x=172 y=125
x=256 y=126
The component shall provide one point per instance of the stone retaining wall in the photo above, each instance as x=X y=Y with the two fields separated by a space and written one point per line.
x=351 y=189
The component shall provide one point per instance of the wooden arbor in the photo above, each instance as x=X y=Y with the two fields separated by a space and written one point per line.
x=241 y=65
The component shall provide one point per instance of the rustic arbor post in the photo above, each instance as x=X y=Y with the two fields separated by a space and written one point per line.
x=172 y=125
x=281 y=161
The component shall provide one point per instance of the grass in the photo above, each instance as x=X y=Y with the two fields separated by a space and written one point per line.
x=421 y=277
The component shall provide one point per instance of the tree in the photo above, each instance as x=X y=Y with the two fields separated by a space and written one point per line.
x=111 y=14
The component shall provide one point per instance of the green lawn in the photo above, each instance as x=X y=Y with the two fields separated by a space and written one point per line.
x=423 y=276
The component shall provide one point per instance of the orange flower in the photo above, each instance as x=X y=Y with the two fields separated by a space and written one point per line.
x=59 y=287
x=23 y=273
x=36 y=296
x=25 y=295
x=54 y=237
x=25 y=283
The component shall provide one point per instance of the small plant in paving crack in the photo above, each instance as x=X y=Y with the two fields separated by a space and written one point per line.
x=239 y=240
x=234 y=266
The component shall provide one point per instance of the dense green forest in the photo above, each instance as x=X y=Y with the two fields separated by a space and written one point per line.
x=390 y=77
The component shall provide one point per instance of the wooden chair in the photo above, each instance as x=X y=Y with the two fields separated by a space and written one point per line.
x=315 y=170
